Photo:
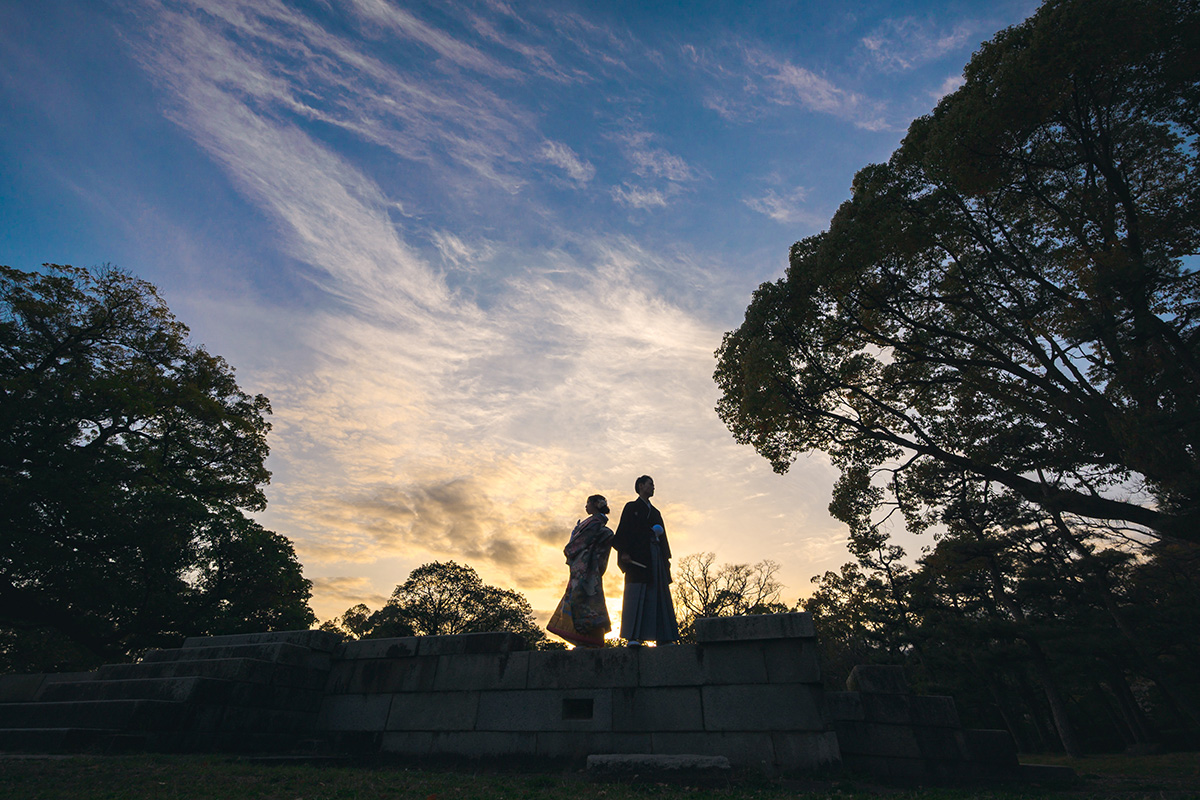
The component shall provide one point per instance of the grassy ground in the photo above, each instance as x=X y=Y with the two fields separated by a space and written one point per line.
x=1162 y=777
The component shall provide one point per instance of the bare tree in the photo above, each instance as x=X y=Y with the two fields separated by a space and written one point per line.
x=705 y=589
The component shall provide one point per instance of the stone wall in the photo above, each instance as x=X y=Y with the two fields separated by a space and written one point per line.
x=749 y=690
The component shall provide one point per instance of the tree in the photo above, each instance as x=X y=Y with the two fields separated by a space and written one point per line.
x=127 y=459
x=1009 y=298
x=703 y=589
x=444 y=598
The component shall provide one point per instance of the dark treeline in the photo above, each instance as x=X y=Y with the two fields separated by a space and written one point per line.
x=1070 y=637
x=997 y=343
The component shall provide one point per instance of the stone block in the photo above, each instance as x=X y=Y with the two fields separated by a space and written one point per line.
x=990 y=746
x=665 y=708
x=483 y=671
x=752 y=750
x=242 y=719
x=300 y=677
x=943 y=744
x=578 y=745
x=279 y=652
x=316 y=640
x=792 y=661
x=769 y=707
x=354 y=712
x=20 y=688
x=759 y=626
x=806 y=751
x=674 y=665
x=733 y=662
x=401 y=647
x=844 y=706
x=483 y=744
x=874 y=739
x=584 y=668
x=433 y=711
x=891 y=709
x=413 y=744
x=382 y=676
x=877 y=678
x=231 y=669
x=546 y=710
x=173 y=689
x=934 y=710
x=468 y=643
x=150 y=715
x=889 y=767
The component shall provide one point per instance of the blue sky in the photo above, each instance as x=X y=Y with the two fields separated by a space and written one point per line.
x=478 y=254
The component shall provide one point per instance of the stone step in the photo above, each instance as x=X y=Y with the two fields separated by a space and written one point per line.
x=278 y=652
x=250 y=671
x=317 y=641
x=53 y=740
x=142 y=715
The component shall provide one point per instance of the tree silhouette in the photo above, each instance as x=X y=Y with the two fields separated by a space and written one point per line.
x=127 y=459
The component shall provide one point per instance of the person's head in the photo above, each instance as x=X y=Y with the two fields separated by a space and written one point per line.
x=644 y=486
x=596 y=504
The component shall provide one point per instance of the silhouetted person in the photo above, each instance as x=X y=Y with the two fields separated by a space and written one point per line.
x=582 y=616
x=644 y=555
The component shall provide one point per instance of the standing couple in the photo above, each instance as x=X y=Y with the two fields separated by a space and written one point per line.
x=643 y=554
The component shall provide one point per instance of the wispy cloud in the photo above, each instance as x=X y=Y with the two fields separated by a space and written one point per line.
x=784 y=207
x=789 y=84
x=566 y=159
x=907 y=42
x=948 y=86
x=457 y=395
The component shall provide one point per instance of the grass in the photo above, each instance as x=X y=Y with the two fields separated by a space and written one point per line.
x=1161 y=777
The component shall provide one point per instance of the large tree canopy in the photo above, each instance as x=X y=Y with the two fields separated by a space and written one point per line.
x=441 y=598
x=127 y=458
x=1013 y=297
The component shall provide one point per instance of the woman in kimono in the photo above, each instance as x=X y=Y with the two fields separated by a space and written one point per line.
x=582 y=616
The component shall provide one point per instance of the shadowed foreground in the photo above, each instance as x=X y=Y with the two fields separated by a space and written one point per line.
x=1169 y=777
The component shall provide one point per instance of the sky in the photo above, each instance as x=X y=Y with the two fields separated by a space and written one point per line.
x=479 y=255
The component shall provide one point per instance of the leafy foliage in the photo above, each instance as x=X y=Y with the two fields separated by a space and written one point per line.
x=1009 y=297
x=127 y=458
x=444 y=598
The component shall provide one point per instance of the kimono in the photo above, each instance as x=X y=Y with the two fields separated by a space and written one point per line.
x=582 y=617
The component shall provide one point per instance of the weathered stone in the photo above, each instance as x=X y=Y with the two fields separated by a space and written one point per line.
x=667 y=708
x=354 y=712
x=468 y=643
x=807 y=751
x=892 y=709
x=578 y=745
x=407 y=743
x=934 y=710
x=946 y=744
x=382 y=676
x=844 y=706
x=761 y=626
x=434 y=711
x=792 y=661
x=401 y=647
x=546 y=710
x=277 y=652
x=313 y=639
x=875 y=739
x=752 y=750
x=20 y=688
x=484 y=744
x=676 y=665
x=733 y=662
x=877 y=678
x=233 y=669
x=762 y=708
x=583 y=669
x=482 y=671
x=990 y=746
